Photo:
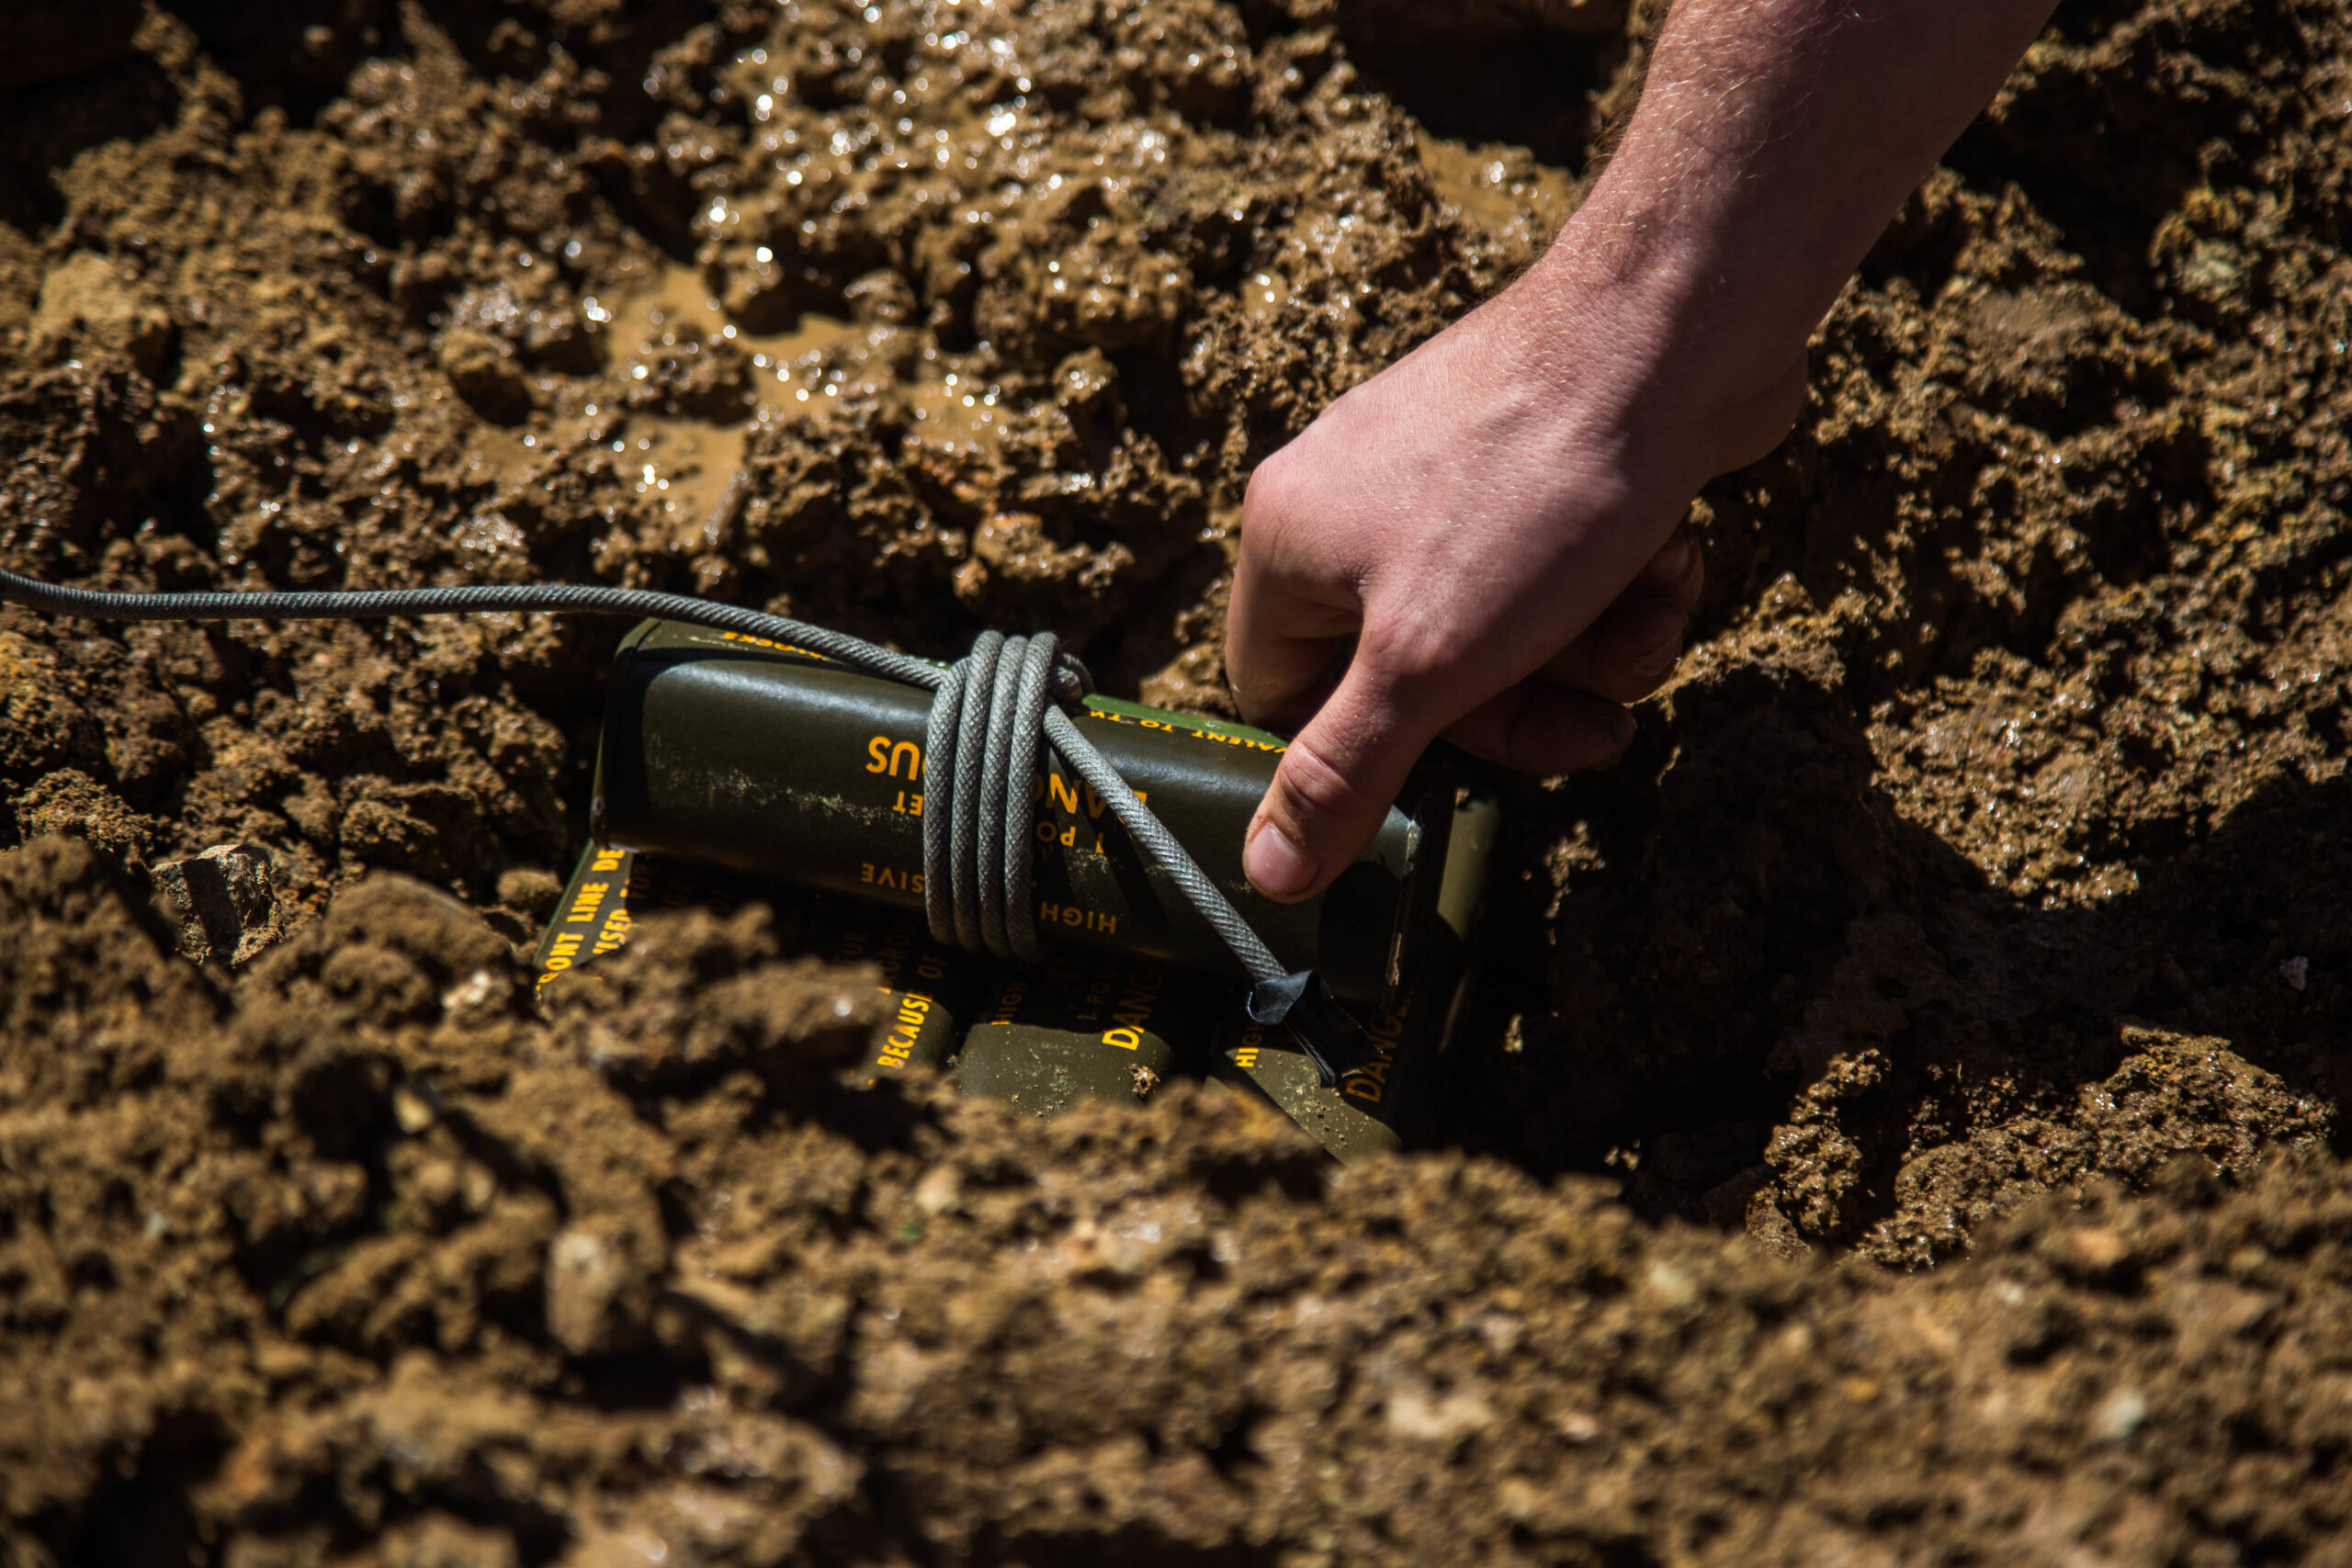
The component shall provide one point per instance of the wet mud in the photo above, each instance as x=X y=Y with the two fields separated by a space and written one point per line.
x=1902 y=1120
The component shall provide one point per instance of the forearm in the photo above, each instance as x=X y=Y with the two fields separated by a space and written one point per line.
x=1773 y=139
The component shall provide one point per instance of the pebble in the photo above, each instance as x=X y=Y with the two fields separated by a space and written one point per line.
x=2093 y=1249
x=2121 y=1416
x=412 y=1108
x=1415 y=1413
x=584 y=1277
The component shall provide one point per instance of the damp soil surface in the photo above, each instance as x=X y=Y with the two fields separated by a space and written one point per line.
x=1903 y=1124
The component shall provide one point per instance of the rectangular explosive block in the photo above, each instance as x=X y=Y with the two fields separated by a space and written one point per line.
x=927 y=990
x=1086 y=1026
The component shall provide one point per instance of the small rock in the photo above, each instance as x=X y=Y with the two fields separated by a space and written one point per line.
x=1673 y=1284
x=413 y=1108
x=881 y=296
x=2121 y=1416
x=87 y=307
x=1415 y=1415
x=224 y=901
x=1084 y=382
x=582 y=1279
x=635 y=1547
x=2296 y=972
x=938 y=1190
x=1576 y=1426
x=2092 y=1249
x=596 y=1289
x=470 y=993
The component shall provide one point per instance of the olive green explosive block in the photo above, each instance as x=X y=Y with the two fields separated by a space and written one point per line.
x=1085 y=1026
x=611 y=889
x=1395 y=1102
x=926 y=989
x=769 y=761
x=593 y=918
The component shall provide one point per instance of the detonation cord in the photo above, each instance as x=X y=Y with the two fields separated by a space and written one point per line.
x=989 y=712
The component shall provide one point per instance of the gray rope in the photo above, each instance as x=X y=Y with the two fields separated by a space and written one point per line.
x=980 y=756
x=981 y=753
x=558 y=598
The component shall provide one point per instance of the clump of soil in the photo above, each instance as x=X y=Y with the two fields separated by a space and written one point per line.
x=1976 y=889
x=358 y=1259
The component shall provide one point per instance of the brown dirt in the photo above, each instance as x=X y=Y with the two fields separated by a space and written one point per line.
x=1905 y=1124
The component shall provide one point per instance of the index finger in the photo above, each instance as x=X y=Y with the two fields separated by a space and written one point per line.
x=1282 y=650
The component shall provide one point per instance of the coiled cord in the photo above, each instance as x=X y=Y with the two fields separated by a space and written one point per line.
x=989 y=711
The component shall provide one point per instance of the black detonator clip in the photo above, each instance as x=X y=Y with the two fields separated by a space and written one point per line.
x=1324 y=1030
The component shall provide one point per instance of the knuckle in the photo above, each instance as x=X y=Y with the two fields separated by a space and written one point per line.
x=1317 y=787
x=1410 y=654
x=1273 y=487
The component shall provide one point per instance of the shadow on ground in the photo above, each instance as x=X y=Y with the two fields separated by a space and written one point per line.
x=1760 y=979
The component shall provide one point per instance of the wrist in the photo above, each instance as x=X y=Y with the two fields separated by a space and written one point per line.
x=1640 y=330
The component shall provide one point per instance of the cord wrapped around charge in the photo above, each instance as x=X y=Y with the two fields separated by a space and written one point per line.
x=989 y=713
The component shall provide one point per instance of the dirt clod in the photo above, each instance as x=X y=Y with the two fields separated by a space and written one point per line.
x=225 y=900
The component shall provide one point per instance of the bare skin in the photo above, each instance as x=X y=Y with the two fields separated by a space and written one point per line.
x=1482 y=541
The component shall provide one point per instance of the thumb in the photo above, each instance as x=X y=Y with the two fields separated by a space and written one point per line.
x=1335 y=783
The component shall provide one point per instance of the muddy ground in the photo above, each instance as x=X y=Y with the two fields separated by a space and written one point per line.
x=1905 y=1125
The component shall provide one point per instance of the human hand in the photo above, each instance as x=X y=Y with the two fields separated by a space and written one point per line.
x=1487 y=534
x=1489 y=522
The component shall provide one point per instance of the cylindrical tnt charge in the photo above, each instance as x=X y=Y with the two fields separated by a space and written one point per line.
x=774 y=762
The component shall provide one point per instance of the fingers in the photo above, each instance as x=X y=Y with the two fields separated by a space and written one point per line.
x=1634 y=647
x=1570 y=715
x=1678 y=572
x=1333 y=788
x=1539 y=728
x=1625 y=655
x=1335 y=783
x=1287 y=624
x=1280 y=651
